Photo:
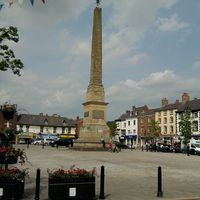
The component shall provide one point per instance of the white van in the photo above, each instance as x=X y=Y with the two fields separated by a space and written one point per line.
x=195 y=147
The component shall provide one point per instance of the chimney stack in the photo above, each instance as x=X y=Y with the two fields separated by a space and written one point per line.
x=177 y=101
x=185 y=97
x=164 y=102
x=128 y=112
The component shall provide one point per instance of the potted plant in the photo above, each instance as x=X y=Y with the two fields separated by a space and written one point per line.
x=8 y=110
x=73 y=183
x=12 y=183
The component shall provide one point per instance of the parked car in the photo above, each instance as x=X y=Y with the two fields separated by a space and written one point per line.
x=195 y=149
x=22 y=141
x=122 y=146
x=48 y=141
x=38 y=141
x=62 y=142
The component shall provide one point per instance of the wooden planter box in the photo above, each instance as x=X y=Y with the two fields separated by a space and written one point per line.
x=11 y=189
x=72 y=188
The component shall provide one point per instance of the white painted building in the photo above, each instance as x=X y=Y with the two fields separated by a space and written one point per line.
x=194 y=107
x=127 y=128
x=44 y=124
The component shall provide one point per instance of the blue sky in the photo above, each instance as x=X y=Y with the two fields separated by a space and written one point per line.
x=151 y=49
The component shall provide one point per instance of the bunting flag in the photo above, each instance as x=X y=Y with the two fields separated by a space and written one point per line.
x=32 y=2
x=1 y=6
x=10 y=3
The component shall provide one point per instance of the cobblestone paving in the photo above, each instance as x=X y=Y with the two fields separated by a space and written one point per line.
x=130 y=175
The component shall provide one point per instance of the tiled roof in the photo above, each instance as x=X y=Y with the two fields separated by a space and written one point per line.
x=193 y=105
x=150 y=112
x=123 y=117
x=141 y=108
x=169 y=107
x=39 y=120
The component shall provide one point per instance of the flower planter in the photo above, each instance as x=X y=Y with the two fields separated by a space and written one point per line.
x=76 y=188
x=11 y=189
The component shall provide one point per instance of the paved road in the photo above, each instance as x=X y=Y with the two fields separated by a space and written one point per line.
x=130 y=175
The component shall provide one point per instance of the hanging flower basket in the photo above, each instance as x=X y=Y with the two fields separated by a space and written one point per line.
x=73 y=184
x=10 y=155
x=12 y=183
x=8 y=111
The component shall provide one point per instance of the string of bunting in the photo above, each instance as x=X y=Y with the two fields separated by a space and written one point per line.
x=20 y=2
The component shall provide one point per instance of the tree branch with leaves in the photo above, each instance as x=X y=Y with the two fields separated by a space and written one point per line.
x=186 y=126
x=7 y=56
x=155 y=129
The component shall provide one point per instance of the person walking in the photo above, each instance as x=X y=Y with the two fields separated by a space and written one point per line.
x=110 y=146
x=131 y=144
x=188 y=149
x=147 y=147
x=103 y=143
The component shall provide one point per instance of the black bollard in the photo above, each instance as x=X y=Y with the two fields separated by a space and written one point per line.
x=37 y=185
x=102 y=196
x=159 y=193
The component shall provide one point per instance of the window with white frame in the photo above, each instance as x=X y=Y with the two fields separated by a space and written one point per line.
x=124 y=124
x=27 y=128
x=171 y=129
x=129 y=123
x=195 y=126
x=195 y=114
x=165 y=129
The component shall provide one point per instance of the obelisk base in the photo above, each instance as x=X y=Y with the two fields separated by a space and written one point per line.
x=90 y=138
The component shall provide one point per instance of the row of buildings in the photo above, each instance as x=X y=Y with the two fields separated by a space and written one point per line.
x=135 y=124
x=32 y=126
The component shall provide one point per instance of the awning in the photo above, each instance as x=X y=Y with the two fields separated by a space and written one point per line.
x=67 y=136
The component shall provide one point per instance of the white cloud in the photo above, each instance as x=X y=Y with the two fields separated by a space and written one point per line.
x=150 y=90
x=127 y=24
x=37 y=94
x=196 y=64
x=171 y=24
x=137 y=58
x=48 y=14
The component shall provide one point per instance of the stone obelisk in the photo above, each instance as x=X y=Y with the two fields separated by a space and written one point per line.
x=94 y=127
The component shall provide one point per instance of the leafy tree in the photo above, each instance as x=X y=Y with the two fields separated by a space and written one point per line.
x=113 y=127
x=155 y=129
x=186 y=126
x=7 y=56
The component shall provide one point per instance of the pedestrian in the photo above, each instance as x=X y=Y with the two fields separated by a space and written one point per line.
x=147 y=147
x=103 y=143
x=43 y=144
x=188 y=149
x=131 y=144
x=110 y=146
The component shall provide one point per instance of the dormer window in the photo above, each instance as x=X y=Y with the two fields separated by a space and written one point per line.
x=64 y=123
x=46 y=122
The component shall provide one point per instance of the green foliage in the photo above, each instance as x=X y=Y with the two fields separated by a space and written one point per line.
x=155 y=129
x=7 y=56
x=113 y=127
x=185 y=126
